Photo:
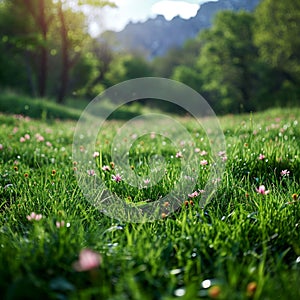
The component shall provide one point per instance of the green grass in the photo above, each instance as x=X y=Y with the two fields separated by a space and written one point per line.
x=240 y=237
x=49 y=110
x=12 y=103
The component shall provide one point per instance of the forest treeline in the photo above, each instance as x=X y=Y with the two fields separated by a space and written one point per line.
x=244 y=62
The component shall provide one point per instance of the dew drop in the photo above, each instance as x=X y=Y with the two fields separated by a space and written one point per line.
x=206 y=284
x=179 y=292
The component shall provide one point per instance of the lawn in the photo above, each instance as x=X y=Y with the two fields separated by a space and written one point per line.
x=244 y=243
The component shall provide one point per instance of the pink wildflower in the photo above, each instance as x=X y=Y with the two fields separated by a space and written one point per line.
x=27 y=136
x=147 y=181
x=60 y=224
x=179 y=154
x=91 y=172
x=262 y=190
x=88 y=260
x=194 y=194
x=203 y=153
x=261 y=157
x=285 y=172
x=222 y=153
x=117 y=178
x=197 y=150
x=224 y=158
x=106 y=168
x=203 y=162
x=39 y=137
x=1 y=147
x=34 y=217
x=96 y=154
x=22 y=139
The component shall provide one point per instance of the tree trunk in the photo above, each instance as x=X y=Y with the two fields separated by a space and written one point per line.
x=29 y=72
x=42 y=77
x=42 y=23
x=43 y=72
x=64 y=77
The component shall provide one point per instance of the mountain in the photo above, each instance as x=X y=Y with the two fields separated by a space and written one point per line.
x=156 y=36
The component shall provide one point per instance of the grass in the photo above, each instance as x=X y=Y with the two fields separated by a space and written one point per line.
x=241 y=245
x=48 y=110
x=12 y=103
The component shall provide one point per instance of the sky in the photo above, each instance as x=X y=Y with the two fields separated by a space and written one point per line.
x=140 y=10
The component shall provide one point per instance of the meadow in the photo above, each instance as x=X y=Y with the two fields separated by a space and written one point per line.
x=243 y=244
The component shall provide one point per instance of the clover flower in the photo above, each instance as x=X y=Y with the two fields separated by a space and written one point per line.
x=88 y=260
x=262 y=190
x=117 y=178
x=34 y=217
x=285 y=172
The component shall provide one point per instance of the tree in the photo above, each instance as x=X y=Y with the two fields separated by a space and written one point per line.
x=12 y=64
x=38 y=31
x=227 y=62
x=164 y=66
x=83 y=77
x=277 y=38
x=189 y=76
x=125 y=67
x=187 y=71
x=71 y=37
x=29 y=36
x=71 y=34
x=42 y=13
x=103 y=53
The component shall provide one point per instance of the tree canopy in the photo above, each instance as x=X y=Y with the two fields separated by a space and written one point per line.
x=243 y=62
x=47 y=38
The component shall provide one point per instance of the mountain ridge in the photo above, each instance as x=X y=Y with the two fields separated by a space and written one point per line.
x=156 y=36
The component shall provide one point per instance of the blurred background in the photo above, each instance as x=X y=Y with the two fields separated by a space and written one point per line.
x=241 y=55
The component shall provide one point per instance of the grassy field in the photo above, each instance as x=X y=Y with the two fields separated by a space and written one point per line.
x=244 y=244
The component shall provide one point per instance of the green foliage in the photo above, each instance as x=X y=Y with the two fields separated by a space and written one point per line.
x=43 y=48
x=277 y=37
x=227 y=59
x=277 y=34
x=164 y=66
x=245 y=61
x=13 y=69
x=84 y=74
x=125 y=67
x=188 y=76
